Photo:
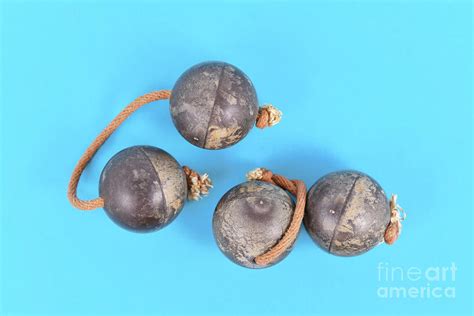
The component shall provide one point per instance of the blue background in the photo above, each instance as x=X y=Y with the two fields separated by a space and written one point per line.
x=382 y=87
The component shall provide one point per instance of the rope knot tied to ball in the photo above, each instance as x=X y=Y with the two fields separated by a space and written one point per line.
x=268 y=116
x=296 y=188
x=397 y=215
x=260 y=174
x=198 y=185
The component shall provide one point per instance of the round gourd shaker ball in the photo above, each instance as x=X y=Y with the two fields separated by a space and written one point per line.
x=250 y=219
x=347 y=213
x=214 y=105
x=144 y=188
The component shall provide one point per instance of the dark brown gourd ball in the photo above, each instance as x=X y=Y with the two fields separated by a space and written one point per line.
x=250 y=219
x=143 y=187
x=347 y=213
x=213 y=105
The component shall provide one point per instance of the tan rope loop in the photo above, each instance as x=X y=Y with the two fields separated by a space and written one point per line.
x=267 y=116
x=394 y=229
x=298 y=189
x=103 y=136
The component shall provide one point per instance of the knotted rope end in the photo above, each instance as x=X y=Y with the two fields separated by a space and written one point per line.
x=268 y=116
x=255 y=174
x=198 y=185
x=397 y=215
x=260 y=174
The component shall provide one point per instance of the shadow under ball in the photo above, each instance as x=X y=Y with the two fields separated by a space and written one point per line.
x=213 y=105
x=143 y=187
x=346 y=213
x=250 y=219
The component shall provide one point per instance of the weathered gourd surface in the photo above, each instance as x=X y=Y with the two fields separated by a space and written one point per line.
x=250 y=219
x=143 y=187
x=347 y=213
x=213 y=105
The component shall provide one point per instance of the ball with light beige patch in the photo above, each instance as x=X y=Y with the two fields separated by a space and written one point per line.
x=250 y=219
x=347 y=213
x=213 y=105
x=144 y=188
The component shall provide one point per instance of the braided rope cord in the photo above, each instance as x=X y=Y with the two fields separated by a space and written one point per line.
x=296 y=188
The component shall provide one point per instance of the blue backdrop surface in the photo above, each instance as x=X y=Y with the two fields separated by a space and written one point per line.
x=382 y=87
